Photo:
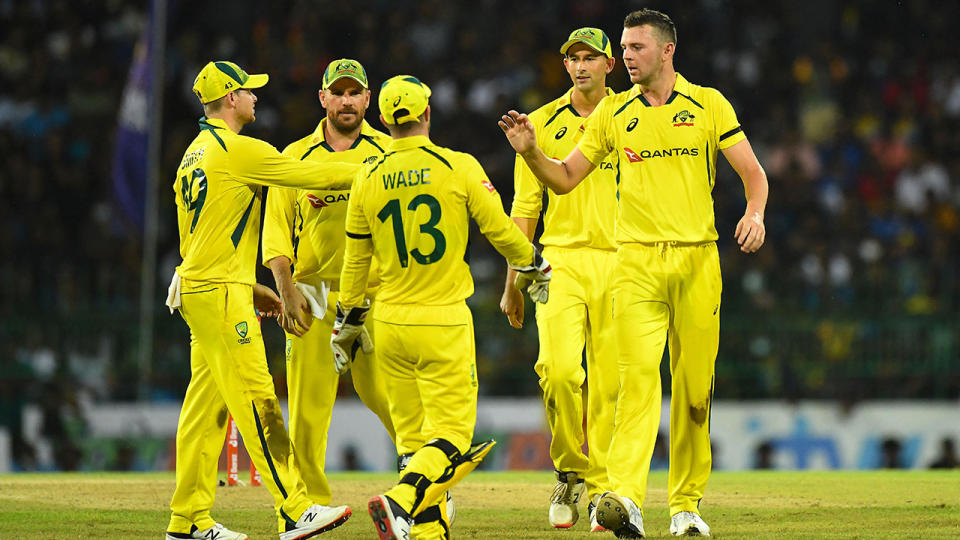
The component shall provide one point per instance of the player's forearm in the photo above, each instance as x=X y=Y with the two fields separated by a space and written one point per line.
x=280 y=266
x=553 y=173
x=527 y=226
x=355 y=272
x=756 y=190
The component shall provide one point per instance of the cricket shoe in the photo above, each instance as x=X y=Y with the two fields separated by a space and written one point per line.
x=688 y=524
x=620 y=515
x=563 y=502
x=592 y=511
x=392 y=521
x=315 y=520
x=451 y=509
x=217 y=532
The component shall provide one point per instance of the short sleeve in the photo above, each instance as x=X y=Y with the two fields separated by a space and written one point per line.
x=527 y=192
x=597 y=139
x=727 y=128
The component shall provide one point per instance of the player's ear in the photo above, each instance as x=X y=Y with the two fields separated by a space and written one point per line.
x=426 y=114
x=610 y=63
x=384 y=122
x=323 y=101
x=668 y=50
x=366 y=99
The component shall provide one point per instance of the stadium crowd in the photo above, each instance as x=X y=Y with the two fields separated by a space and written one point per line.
x=850 y=105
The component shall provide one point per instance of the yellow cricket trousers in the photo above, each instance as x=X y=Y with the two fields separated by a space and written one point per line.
x=427 y=356
x=229 y=375
x=577 y=317
x=665 y=289
x=312 y=383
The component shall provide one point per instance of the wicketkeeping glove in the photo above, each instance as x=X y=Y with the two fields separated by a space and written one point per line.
x=535 y=278
x=349 y=335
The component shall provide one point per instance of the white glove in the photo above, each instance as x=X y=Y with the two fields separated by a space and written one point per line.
x=535 y=278
x=349 y=335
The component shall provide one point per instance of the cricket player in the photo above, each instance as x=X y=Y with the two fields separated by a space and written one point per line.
x=578 y=239
x=304 y=227
x=668 y=272
x=411 y=212
x=218 y=195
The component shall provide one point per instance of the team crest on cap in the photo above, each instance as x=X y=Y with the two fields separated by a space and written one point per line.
x=584 y=32
x=683 y=118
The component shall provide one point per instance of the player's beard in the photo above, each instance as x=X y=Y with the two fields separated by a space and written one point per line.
x=346 y=127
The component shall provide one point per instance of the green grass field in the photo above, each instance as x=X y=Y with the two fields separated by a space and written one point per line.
x=885 y=504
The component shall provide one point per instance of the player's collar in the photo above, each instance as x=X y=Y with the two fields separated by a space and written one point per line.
x=213 y=123
x=682 y=85
x=409 y=142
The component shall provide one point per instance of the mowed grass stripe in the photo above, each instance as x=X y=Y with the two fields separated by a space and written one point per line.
x=876 y=504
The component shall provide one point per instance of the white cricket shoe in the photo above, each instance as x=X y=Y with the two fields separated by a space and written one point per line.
x=392 y=521
x=217 y=532
x=688 y=524
x=317 y=519
x=620 y=515
x=563 y=502
x=592 y=511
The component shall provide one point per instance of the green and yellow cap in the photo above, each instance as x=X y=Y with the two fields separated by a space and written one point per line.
x=216 y=79
x=403 y=98
x=591 y=37
x=344 y=67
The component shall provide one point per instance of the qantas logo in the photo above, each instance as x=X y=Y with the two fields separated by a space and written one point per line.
x=636 y=157
x=327 y=200
x=489 y=186
x=632 y=156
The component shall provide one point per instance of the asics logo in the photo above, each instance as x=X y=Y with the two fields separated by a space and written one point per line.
x=396 y=101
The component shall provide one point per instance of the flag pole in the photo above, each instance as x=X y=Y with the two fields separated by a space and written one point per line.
x=148 y=270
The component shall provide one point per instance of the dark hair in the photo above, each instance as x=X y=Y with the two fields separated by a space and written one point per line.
x=660 y=22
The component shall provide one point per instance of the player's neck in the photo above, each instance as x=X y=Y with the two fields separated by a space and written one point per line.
x=338 y=140
x=585 y=102
x=233 y=124
x=658 y=91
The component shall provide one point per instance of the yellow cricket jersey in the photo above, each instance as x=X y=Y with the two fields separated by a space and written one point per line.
x=586 y=216
x=306 y=225
x=218 y=193
x=668 y=158
x=411 y=211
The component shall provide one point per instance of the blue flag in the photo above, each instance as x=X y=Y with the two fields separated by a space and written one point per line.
x=133 y=133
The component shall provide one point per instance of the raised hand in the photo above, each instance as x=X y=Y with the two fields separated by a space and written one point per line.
x=519 y=131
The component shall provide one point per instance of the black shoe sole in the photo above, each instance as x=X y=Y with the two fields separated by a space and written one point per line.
x=380 y=513
x=613 y=516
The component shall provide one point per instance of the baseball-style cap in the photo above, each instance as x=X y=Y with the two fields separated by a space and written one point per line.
x=591 y=37
x=216 y=79
x=344 y=67
x=403 y=98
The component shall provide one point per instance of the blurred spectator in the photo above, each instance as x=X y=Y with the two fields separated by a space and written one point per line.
x=948 y=456
x=763 y=456
x=891 y=453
